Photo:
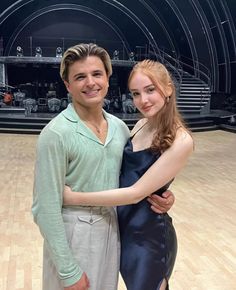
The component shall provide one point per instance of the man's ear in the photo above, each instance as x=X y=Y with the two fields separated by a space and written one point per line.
x=67 y=86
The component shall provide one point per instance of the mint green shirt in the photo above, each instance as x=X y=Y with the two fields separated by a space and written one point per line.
x=69 y=153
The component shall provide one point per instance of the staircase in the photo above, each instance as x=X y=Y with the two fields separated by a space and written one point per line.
x=34 y=125
x=194 y=95
x=22 y=125
x=13 y=120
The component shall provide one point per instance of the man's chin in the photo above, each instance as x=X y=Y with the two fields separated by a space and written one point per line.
x=95 y=102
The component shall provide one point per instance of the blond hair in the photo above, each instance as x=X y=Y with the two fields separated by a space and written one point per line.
x=168 y=119
x=82 y=51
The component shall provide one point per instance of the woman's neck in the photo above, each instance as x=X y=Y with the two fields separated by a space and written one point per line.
x=151 y=124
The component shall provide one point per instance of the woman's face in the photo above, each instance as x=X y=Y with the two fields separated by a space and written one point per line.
x=146 y=96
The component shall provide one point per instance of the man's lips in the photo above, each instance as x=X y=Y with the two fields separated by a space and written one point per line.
x=91 y=93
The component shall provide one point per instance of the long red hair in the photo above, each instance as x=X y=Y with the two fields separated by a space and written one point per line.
x=168 y=119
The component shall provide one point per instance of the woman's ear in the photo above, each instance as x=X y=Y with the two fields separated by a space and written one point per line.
x=169 y=90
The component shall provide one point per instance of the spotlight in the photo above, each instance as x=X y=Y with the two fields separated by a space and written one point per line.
x=59 y=52
x=116 y=55
x=38 y=51
x=131 y=56
x=19 y=51
x=232 y=120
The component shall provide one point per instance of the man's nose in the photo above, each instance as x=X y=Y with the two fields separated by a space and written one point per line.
x=90 y=80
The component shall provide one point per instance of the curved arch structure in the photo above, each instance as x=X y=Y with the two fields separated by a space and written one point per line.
x=58 y=7
x=187 y=30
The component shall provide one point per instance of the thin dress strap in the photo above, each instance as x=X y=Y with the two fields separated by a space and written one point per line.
x=131 y=137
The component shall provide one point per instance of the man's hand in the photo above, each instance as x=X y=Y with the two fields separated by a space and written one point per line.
x=68 y=196
x=82 y=284
x=162 y=204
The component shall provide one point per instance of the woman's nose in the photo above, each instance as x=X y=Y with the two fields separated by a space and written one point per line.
x=144 y=98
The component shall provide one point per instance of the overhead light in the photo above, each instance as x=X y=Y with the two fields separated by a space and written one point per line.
x=59 y=52
x=131 y=56
x=19 y=51
x=38 y=51
x=116 y=55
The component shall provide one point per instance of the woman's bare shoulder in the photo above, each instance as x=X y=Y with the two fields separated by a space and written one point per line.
x=183 y=137
x=138 y=125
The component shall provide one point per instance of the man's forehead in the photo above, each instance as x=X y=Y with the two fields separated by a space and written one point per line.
x=90 y=64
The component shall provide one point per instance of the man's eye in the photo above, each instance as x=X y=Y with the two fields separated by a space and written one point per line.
x=80 y=77
x=98 y=74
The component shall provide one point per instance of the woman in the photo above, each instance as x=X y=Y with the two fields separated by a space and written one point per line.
x=158 y=149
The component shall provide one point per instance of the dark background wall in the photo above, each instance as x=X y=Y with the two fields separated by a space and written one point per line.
x=199 y=34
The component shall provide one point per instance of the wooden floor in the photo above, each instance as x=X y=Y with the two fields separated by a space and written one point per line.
x=204 y=216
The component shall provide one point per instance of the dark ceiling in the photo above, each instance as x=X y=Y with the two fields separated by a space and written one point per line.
x=199 y=33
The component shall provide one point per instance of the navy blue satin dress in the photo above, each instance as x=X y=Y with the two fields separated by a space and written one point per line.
x=148 y=240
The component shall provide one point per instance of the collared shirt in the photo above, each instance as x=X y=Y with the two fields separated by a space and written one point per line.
x=68 y=152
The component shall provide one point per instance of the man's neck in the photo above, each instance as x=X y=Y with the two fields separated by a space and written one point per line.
x=92 y=114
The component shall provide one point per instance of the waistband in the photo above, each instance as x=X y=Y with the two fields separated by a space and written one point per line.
x=88 y=210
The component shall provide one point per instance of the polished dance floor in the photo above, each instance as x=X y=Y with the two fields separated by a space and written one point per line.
x=204 y=215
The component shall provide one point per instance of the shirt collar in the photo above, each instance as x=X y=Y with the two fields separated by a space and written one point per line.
x=70 y=114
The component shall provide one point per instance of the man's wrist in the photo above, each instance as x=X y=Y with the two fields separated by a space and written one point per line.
x=72 y=280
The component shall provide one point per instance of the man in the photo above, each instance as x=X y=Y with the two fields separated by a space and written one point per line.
x=81 y=147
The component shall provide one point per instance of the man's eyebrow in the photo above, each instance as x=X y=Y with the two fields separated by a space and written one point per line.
x=83 y=74
x=78 y=74
x=97 y=70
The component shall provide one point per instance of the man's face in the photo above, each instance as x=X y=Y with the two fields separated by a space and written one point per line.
x=87 y=82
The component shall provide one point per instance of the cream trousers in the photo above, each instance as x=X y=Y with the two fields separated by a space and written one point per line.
x=93 y=237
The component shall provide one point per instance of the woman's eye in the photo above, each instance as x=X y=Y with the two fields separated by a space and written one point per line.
x=135 y=94
x=150 y=90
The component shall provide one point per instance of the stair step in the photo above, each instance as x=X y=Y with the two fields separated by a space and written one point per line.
x=12 y=110
x=199 y=123
x=186 y=110
x=187 y=102
x=194 y=89
x=190 y=91
x=205 y=128
x=194 y=96
x=191 y=78
x=193 y=81
x=20 y=130
x=194 y=99
x=21 y=124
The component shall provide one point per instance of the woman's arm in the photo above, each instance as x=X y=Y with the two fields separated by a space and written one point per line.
x=161 y=172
